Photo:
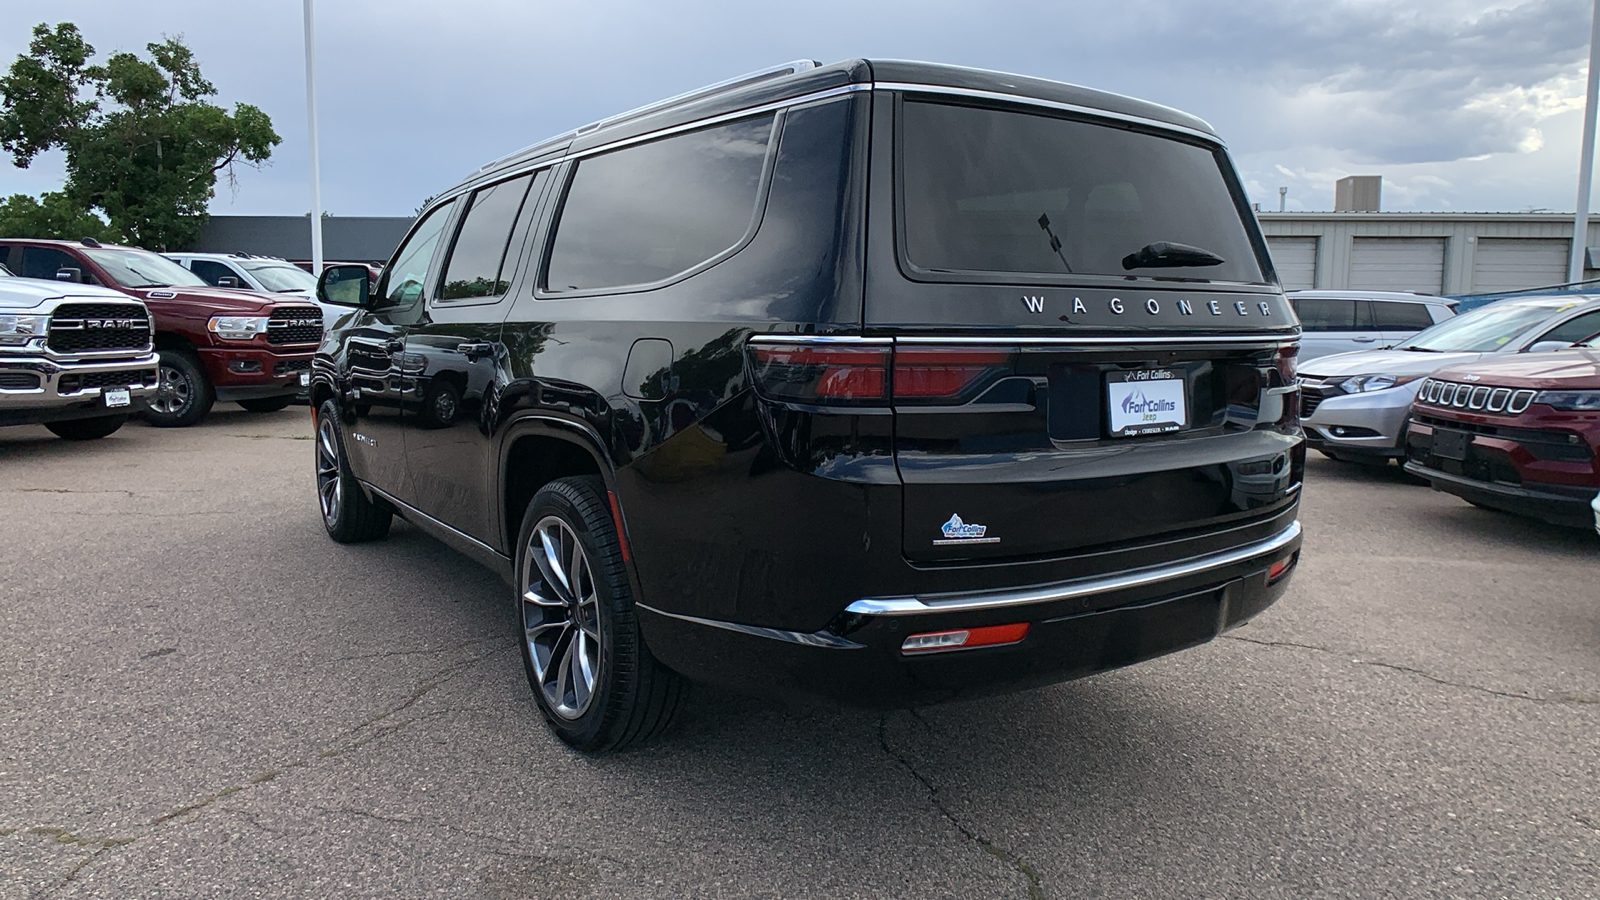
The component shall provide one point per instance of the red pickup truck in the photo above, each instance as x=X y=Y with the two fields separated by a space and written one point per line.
x=215 y=344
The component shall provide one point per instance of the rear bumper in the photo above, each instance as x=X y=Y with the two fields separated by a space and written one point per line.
x=1076 y=628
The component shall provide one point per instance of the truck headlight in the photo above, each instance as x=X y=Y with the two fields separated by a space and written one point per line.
x=1359 y=384
x=16 y=331
x=1572 y=401
x=237 y=328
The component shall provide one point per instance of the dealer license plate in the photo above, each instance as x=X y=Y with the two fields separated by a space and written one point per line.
x=1146 y=401
x=305 y=379
x=116 y=397
x=1451 y=444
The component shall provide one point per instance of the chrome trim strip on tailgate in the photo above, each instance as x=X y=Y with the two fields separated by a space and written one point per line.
x=910 y=606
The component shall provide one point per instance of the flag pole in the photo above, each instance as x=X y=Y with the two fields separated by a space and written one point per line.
x=311 y=119
x=1580 y=221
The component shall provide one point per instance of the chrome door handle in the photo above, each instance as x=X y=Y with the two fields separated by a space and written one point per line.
x=1364 y=340
x=394 y=346
x=477 y=349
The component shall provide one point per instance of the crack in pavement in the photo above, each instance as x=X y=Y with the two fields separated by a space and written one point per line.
x=1014 y=861
x=1379 y=664
x=340 y=745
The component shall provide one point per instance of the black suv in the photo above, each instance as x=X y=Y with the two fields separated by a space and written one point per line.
x=886 y=382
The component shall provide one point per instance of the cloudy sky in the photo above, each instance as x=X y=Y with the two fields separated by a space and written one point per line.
x=1461 y=105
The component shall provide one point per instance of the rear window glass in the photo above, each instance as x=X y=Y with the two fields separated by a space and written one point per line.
x=646 y=213
x=1395 y=316
x=987 y=190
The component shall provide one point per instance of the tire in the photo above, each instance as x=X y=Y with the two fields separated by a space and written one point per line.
x=347 y=513
x=267 y=404
x=184 y=395
x=441 y=403
x=565 y=633
x=86 y=429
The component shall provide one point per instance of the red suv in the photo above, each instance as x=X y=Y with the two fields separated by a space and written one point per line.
x=1521 y=435
x=215 y=344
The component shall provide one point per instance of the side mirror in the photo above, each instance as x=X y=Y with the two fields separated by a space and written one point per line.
x=228 y=281
x=1550 y=346
x=69 y=274
x=345 y=286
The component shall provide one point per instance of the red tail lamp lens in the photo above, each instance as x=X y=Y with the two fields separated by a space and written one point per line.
x=928 y=373
x=1279 y=567
x=820 y=374
x=987 y=636
x=1285 y=362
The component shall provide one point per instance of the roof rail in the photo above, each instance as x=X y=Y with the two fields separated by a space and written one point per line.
x=710 y=90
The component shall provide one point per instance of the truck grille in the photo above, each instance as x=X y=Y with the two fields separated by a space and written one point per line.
x=18 y=381
x=296 y=327
x=86 y=327
x=292 y=365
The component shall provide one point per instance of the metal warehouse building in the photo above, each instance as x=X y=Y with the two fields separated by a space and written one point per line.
x=1435 y=253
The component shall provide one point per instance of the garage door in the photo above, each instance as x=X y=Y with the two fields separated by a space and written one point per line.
x=1510 y=264
x=1397 y=264
x=1295 y=258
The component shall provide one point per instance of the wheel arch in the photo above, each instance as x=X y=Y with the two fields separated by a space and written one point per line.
x=536 y=450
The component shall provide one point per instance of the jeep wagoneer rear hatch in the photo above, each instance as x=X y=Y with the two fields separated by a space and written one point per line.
x=1089 y=349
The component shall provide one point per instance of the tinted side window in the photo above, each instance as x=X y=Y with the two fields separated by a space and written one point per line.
x=405 y=280
x=44 y=262
x=1332 y=314
x=649 y=212
x=1576 y=329
x=212 y=271
x=1401 y=316
x=477 y=260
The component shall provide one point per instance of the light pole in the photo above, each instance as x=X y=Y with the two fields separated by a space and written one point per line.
x=311 y=121
x=1580 y=221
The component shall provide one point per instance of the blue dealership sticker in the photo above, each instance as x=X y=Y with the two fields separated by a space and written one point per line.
x=958 y=532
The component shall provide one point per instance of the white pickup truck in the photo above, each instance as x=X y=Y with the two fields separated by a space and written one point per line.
x=74 y=358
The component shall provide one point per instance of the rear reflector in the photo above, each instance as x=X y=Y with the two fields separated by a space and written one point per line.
x=987 y=636
x=1279 y=567
x=932 y=373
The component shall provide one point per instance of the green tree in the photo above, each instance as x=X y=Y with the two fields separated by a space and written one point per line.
x=53 y=215
x=143 y=145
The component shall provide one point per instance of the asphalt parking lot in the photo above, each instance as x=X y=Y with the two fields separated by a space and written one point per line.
x=207 y=698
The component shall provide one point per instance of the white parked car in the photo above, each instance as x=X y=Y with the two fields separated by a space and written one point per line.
x=1345 y=321
x=267 y=274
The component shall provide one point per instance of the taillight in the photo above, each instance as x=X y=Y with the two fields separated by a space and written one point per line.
x=1284 y=362
x=925 y=373
x=871 y=374
x=821 y=373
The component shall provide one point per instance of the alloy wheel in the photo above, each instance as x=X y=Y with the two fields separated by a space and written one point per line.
x=173 y=392
x=561 y=617
x=330 y=487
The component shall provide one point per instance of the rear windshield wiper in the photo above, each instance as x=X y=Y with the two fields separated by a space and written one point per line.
x=1055 y=242
x=1167 y=253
